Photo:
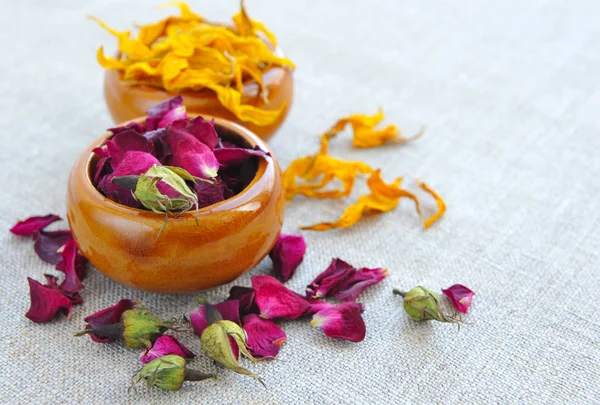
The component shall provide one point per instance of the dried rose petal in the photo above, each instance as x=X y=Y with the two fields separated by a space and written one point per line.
x=264 y=337
x=209 y=194
x=236 y=156
x=161 y=150
x=460 y=296
x=125 y=142
x=274 y=300
x=107 y=317
x=80 y=263
x=287 y=254
x=245 y=295
x=72 y=283
x=158 y=112
x=172 y=116
x=46 y=302
x=47 y=244
x=133 y=163
x=190 y=154
x=351 y=287
x=35 y=224
x=204 y=131
x=317 y=305
x=343 y=321
x=337 y=272
x=102 y=168
x=164 y=346
x=229 y=310
x=52 y=282
x=132 y=126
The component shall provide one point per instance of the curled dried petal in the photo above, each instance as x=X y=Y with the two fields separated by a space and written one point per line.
x=46 y=302
x=287 y=255
x=31 y=225
x=274 y=300
x=460 y=296
x=343 y=321
x=264 y=337
x=165 y=345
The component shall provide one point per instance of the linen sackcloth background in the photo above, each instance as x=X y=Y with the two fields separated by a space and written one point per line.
x=509 y=91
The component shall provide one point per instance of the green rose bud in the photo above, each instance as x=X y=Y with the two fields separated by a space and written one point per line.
x=168 y=372
x=140 y=328
x=422 y=304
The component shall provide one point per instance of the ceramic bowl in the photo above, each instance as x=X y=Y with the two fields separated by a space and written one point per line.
x=231 y=237
x=126 y=102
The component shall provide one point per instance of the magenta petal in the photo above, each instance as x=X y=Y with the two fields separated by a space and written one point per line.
x=132 y=126
x=164 y=346
x=287 y=254
x=229 y=310
x=125 y=142
x=245 y=295
x=107 y=316
x=460 y=296
x=190 y=154
x=173 y=115
x=351 y=287
x=264 y=337
x=158 y=112
x=204 y=131
x=46 y=302
x=317 y=305
x=236 y=156
x=71 y=284
x=343 y=321
x=274 y=300
x=337 y=272
x=209 y=194
x=33 y=224
x=102 y=168
x=47 y=244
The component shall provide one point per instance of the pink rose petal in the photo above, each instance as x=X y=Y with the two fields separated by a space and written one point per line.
x=164 y=346
x=35 y=224
x=337 y=272
x=274 y=300
x=351 y=287
x=460 y=296
x=124 y=142
x=158 y=112
x=264 y=337
x=287 y=254
x=46 y=302
x=176 y=114
x=343 y=321
x=190 y=154
x=245 y=295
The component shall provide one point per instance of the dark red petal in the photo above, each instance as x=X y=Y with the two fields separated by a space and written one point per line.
x=264 y=337
x=46 y=302
x=209 y=194
x=460 y=296
x=32 y=225
x=107 y=316
x=351 y=287
x=287 y=254
x=236 y=156
x=125 y=142
x=47 y=244
x=246 y=297
x=204 y=131
x=52 y=282
x=190 y=154
x=71 y=283
x=164 y=346
x=343 y=321
x=229 y=310
x=132 y=126
x=274 y=300
x=156 y=113
x=337 y=272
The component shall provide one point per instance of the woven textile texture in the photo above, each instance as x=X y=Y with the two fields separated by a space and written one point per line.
x=509 y=92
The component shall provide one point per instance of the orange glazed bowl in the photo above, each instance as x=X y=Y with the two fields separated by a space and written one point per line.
x=231 y=237
x=126 y=102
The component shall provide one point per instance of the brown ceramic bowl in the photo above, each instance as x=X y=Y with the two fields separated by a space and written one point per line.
x=126 y=102
x=232 y=237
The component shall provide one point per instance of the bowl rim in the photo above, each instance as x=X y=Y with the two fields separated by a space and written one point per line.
x=264 y=169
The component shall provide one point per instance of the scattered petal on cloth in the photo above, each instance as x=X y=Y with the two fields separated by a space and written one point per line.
x=343 y=321
x=47 y=244
x=46 y=302
x=351 y=287
x=72 y=283
x=246 y=297
x=35 y=224
x=460 y=296
x=337 y=271
x=264 y=337
x=229 y=310
x=106 y=317
x=287 y=255
x=163 y=346
x=274 y=300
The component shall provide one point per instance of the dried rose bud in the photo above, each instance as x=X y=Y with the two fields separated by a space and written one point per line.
x=342 y=321
x=215 y=342
x=274 y=300
x=264 y=337
x=337 y=272
x=165 y=345
x=32 y=225
x=105 y=325
x=140 y=328
x=169 y=373
x=46 y=302
x=422 y=304
x=287 y=255
x=460 y=296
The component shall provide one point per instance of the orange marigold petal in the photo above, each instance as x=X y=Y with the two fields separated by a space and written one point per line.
x=441 y=205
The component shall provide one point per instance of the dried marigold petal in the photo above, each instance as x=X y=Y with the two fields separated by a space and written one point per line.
x=365 y=135
x=441 y=205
